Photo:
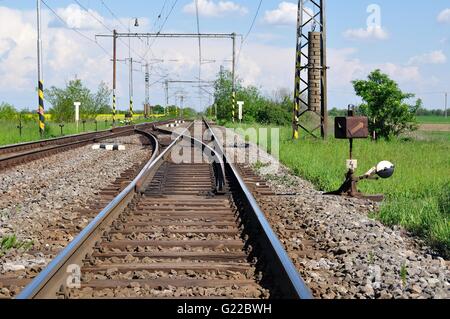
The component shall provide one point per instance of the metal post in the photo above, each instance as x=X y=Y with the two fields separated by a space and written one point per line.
x=233 y=74
x=215 y=107
x=114 y=107
x=41 y=111
x=446 y=106
x=324 y=90
x=166 y=83
x=308 y=18
x=131 y=87
x=147 y=89
x=20 y=127
x=296 y=111
x=181 y=106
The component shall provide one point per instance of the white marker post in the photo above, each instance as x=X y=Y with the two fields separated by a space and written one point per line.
x=241 y=108
x=77 y=113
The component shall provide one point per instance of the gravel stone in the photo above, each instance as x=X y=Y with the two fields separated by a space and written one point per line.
x=342 y=253
x=41 y=200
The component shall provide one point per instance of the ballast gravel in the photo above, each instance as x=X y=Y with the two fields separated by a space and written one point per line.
x=40 y=201
x=340 y=251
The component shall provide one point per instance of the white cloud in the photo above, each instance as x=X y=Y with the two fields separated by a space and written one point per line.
x=76 y=17
x=434 y=57
x=444 y=16
x=401 y=73
x=210 y=8
x=285 y=14
x=372 y=32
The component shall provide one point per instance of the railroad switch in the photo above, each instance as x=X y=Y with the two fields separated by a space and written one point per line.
x=357 y=127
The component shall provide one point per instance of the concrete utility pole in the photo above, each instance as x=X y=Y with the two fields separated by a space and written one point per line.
x=147 y=90
x=130 y=89
x=166 y=89
x=114 y=105
x=233 y=74
x=41 y=110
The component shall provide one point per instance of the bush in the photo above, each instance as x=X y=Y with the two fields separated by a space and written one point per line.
x=384 y=104
x=273 y=114
x=8 y=112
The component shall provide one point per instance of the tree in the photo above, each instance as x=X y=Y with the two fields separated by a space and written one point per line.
x=158 y=109
x=91 y=104
x=102 y=103
x=8 y=112
x=384 y=104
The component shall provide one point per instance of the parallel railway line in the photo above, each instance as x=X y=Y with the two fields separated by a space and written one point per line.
x=190 y=230
x=12 y=155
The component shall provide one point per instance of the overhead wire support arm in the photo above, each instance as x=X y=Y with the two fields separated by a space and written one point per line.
x=231 y=36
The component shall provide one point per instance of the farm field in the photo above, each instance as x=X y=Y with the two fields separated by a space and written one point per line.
x=433 y=119
x=417 y=196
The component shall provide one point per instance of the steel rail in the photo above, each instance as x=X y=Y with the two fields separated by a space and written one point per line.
x=297 y=287
x=55 y=274
x=11 y=155
x=216 y=160
x=53 y=141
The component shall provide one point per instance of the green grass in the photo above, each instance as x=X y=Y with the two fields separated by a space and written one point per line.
x=9 y=133
x=417 y=196
x=11 y=242
x=432 y=119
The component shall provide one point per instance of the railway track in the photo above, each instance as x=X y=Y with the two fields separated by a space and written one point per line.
x=180 y=230
x=17 y=154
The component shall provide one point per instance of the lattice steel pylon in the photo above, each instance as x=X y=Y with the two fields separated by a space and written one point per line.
x=310 y=91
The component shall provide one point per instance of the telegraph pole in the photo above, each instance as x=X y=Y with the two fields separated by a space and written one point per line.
x=114 y=106
x=41 y=111
x=147 y=89
x=131 y=87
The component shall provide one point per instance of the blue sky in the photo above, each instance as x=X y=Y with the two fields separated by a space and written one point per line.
x=412 y=44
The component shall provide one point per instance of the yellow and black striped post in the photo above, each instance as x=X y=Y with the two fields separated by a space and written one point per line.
x=297 y=97
x=114 y=109
x=233 y=101
x=298 y=70
x=131 y=108
x=41 y=108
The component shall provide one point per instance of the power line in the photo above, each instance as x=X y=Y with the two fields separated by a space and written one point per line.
x=254 y=20
x=74 y=29
x=199 y=46
x=108 y=28
x=248 y=32
x=93 y=16
x=113 y=14
x=162 y=26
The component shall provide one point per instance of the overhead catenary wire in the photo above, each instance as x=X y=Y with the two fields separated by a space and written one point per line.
x=199 y=46
x=244 y=39
x=162 y=26
x=75 y=29
x=108 y=28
